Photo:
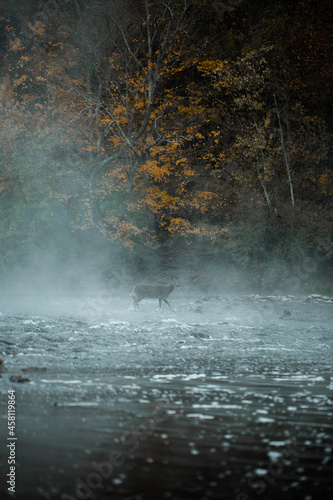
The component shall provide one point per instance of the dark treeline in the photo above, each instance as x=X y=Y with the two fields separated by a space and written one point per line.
x=151 y=136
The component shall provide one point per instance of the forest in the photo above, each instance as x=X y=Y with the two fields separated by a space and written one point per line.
x=147 y=137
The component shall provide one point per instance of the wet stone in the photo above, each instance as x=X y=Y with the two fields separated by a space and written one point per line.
x=199 y=335
x=17 y=377
x=34 y=369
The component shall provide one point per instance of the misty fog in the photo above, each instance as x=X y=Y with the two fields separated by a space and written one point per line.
x=145 y=144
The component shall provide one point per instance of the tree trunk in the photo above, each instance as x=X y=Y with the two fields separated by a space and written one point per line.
x=285 y=157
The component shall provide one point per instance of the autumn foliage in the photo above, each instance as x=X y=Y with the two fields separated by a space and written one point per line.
x=167 y=126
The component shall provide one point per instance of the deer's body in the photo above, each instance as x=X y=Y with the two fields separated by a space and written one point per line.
x=141 y=292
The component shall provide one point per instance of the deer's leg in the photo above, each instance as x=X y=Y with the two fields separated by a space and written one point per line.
x=160 y=303
x=136 y=302
x=165 y=300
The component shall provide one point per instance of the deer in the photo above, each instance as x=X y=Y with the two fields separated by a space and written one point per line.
x=159 y=292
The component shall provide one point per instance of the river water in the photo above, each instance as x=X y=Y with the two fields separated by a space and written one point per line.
x=225 y=398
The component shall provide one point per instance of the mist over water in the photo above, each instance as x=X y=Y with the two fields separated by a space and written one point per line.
x=124 y=162
x=229 y=395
